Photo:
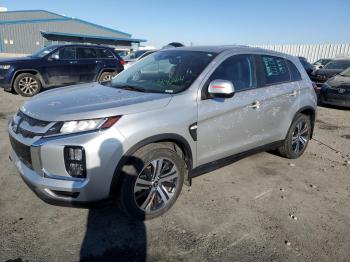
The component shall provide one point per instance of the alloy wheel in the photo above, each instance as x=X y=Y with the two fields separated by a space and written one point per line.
x=107 y=78
x=28 y=85
x=156 y=185
x=300 y=136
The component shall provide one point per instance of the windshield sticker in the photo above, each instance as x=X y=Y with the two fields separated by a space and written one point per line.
x=171 y=81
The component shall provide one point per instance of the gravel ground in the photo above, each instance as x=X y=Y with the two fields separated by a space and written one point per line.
x=261 y=208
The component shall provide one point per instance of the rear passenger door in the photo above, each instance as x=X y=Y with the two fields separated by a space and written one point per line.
x=278 y=95
x=88 y=64
x=228 y=126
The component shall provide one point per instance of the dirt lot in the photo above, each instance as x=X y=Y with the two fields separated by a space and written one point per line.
x=262 y=208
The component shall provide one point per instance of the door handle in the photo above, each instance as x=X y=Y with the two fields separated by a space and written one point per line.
x=73 y=62
x=98 y=61
x=294 y=93
x=255 y=105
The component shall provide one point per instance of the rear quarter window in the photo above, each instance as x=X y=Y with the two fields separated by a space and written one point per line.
x=275 y=70
x=294 y=72
x=104 y=53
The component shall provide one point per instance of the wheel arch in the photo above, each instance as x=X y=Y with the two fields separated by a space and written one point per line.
x=309 y=111
x=29 y=71
x=169 y=138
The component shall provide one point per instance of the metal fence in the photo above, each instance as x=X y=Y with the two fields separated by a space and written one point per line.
x=311 y=52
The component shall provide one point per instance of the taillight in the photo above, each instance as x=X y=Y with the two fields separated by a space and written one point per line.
x=316 y=88
x=121 y=61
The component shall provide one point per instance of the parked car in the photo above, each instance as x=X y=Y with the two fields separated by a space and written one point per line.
x=127 y=65
x=332 y=68
x=59 y=65
x=156 y=127
x=321 y=63
x=336 y=91
x=309 y=68
x=133 y=56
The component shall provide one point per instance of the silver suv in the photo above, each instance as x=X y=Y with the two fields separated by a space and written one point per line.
x=173 y=115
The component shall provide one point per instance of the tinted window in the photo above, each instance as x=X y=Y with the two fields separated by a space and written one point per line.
x=84 y=53
x=294 y=72
x=239 y=69
x=275 y=69
x=104 y=53
x=66 y=53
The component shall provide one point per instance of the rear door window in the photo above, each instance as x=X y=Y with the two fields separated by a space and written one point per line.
x=275 y=70
x=86 y=53
x=239 y=69
x=104 y=53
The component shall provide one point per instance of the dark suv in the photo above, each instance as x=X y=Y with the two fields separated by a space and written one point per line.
x=59 y=65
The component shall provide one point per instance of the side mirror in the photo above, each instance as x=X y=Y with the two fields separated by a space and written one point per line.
x=320 y=66
x=54 y=57
x=221 y=88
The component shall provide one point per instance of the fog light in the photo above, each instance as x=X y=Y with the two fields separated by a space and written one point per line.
x=74 y=158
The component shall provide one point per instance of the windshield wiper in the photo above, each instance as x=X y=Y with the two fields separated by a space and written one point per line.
x=130 y=87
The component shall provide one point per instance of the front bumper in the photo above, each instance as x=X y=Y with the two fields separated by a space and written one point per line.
x=46 y=174
x=5 y=79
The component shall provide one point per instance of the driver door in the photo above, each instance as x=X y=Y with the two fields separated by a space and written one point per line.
x=227 y=126
x=61 y=68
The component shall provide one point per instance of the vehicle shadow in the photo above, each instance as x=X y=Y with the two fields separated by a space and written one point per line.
x=110 y=234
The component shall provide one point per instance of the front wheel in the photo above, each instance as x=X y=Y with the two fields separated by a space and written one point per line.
x=152 y=181
x=297 y=138
x=27 y=85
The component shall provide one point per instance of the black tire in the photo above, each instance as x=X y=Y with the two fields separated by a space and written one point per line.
x=106 y=77
x=27 y=85
x=299 y=132
x=135 y=167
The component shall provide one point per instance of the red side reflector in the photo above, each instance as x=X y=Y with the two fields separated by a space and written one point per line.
x=122 y=62
x=110 y=122
x=316 y=88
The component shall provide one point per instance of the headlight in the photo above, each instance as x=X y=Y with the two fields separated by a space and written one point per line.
x=5 y=67
x=78 y=126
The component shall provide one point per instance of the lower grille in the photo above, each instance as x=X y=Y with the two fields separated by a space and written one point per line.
x=22 y=151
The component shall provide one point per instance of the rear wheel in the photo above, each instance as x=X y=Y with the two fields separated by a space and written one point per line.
x=297 y=138
x=27 y=85
x=152 y=181
x=106 y=76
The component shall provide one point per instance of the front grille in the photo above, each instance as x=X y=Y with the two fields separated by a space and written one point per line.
x=27 y=126
x=32 y=121
x=22 y=151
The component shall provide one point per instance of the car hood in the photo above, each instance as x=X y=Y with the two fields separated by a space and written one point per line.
x=88 y=101
x=339 y=80
x=14 y=60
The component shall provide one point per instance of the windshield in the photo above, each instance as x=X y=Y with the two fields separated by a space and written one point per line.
x=338 y=64
x=322 y=61
x=43 y=52
x=164 y=72
x=345 y=72
x=135 y=54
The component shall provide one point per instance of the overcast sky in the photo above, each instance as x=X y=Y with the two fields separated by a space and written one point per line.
x=211 y=22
